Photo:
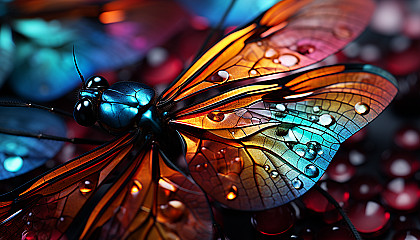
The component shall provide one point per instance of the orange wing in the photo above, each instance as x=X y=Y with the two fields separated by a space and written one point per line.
x=122 y=190
x=262 y=145
x=290 y=35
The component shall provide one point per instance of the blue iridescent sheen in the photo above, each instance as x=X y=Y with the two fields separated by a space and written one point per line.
x=19 y=155
x=123 y=102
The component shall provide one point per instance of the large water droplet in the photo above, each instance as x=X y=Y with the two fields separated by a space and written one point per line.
x=253 y=72
x=85 y=187
x=274 y=174
x=166 y=184
x=361 y=108
x=172 y=211
x=314 y=148
x=220 y=76
x=137 y=186
x=233 y=193
x=316 y=109
x=271 y=53
x=297 y=183
x=216 y=116
x=13 y=163
x=326 y=120
x=311 y=171
x=223 y=74
x=305 y=49
x=281 y=107
x=288 y=60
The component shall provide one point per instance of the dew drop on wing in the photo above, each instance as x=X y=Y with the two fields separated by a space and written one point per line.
x=20 y=155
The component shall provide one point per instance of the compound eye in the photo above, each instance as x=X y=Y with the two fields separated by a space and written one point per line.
x=97 y=82
x=84 y=113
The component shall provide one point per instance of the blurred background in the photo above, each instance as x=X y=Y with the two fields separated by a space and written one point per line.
x=375 y=175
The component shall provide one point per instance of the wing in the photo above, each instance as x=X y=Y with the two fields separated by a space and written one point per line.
x=262 y=145
x=19 y=155
x=121 y=190
x=290 y=35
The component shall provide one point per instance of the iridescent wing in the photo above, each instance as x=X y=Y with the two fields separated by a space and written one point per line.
x=267 y=142
x=121 y=190
x=290 y=35
x=19 y=155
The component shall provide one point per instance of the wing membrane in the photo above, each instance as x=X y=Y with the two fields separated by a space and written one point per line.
x=268 y=146
x=112 y=192
x=290 y=35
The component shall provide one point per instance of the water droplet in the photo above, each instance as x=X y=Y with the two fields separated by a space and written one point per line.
x=216 y=116
x=361 y=108
x=233 y=193
x=253 y=72
x=221 y=76
x=288 y=60
x=85 y=187
x=314 y=148
x=281 y=107
x=201 y=167
x=259 y=43
x=61 y=219
x=297 y=183
x=276 y=60
x=13 y=163
x=274 y=174
x=300 y=152
x=270 y=53
x=266 y=168
x=305 y=49
x=316 y=109
x=326 y=120
x=166 y=184
x=313 y=118
x=311 y=171
x=281 y=131
x=172 y=211
x=136 y=187
x=342 y=32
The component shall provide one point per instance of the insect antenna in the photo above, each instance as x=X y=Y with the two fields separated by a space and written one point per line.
x=51 y=137
x=77 y=68
x=205 y=44
x=340 y=210
x=32 y=105
x=41 y=135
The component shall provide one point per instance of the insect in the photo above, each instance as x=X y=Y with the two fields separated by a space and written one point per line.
x=253 y=137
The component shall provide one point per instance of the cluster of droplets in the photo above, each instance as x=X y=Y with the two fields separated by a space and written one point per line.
x=382 y=203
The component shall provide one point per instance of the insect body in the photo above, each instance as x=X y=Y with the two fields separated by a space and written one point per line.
x=121 y=106
x=253 y=140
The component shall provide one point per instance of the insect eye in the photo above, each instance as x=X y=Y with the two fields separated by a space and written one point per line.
x=97 y=82
x=84 y=112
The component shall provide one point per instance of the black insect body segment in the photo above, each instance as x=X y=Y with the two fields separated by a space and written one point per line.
x=116 y=108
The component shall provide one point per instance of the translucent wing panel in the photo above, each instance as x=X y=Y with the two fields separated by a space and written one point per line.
x=45 y=208
x=290 y=35
x=151 y=201
x=266 y=149
x=122 y=190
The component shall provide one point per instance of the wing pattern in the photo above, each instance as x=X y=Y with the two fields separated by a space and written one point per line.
x=263 y=148
x=290 y=35
x=123 y=189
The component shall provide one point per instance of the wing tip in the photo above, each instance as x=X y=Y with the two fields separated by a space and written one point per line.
x=381 y=72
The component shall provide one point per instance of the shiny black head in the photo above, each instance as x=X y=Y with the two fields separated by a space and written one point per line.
x=86 y=109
